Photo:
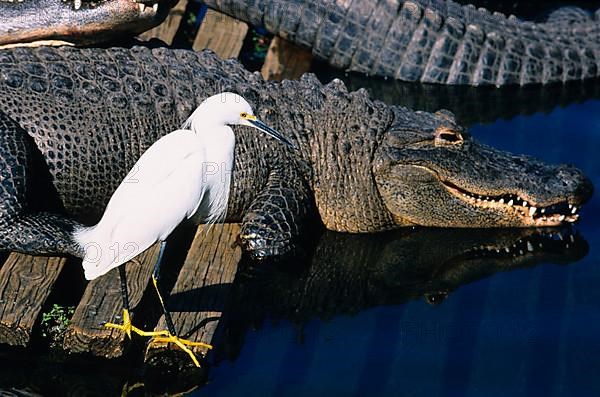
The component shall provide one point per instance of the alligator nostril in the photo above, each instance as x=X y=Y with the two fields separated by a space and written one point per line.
x=573 y=179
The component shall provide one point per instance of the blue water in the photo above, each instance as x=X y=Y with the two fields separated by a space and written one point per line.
x=528 y=332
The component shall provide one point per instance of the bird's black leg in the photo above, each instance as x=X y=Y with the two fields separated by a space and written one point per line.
x=124 y=292
x=155 y=277
x=170 y=336
x=126 y=327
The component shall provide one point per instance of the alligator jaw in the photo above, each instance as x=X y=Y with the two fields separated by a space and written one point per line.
x=78 y=22
x=425 y=195
x=150 y=6
x=533 y=214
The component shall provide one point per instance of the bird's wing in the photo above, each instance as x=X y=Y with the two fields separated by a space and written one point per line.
x=159 y=160
x=164 y=186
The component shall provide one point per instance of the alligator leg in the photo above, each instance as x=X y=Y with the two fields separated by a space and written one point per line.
x=275 y=218
x=28 y=221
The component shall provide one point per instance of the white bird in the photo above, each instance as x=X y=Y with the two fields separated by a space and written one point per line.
x=185 y=173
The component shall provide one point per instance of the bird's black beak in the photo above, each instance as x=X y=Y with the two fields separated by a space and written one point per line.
x=270 y=131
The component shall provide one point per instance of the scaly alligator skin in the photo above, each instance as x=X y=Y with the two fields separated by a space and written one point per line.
x=78 y=21
x=74 y=121
x=433 y=41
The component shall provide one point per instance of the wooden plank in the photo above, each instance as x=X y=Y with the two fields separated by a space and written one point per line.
x=285 y=60
x=198 y=298
x=166 y=31
x=25 y=283
x=220 y=33
x=102 y=302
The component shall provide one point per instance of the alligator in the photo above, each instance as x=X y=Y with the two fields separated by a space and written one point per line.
x=77 y=22
x=433 y=41
x=74 y=121
x=417 y=40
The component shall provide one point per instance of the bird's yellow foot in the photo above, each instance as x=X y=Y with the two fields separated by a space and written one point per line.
x=126 y=327
x=167 y=337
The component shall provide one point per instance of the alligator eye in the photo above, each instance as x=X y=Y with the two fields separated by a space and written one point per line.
x=445 y=136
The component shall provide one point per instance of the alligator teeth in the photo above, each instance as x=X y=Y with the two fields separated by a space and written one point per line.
x=77 y=4
x=574 y=210
x=561 y=218
x=155 y=7
x=510 y=202
x=543 y=210
x=524 y=203
x=142 y=6
x=501 y=201
x=532 y=211
x=529 y=247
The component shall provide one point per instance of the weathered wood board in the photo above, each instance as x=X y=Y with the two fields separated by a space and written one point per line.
x=220 y=33
x=198 y=298
x=285 y=60
x=167 y=30
x=102 y=302
x=25 y=283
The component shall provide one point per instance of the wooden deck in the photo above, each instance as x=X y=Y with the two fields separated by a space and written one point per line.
x=198 y=298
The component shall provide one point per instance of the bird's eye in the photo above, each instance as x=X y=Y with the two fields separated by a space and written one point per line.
x=243 y=115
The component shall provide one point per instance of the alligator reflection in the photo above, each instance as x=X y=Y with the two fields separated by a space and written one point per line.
x=349 y=273
x=470 y=104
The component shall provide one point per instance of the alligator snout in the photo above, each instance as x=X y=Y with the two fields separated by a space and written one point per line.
x=78 y=22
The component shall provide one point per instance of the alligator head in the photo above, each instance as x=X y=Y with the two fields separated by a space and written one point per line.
x=430 y=172
x=78 y=22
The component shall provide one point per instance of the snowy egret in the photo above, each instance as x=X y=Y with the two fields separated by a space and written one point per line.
x=170 y=182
